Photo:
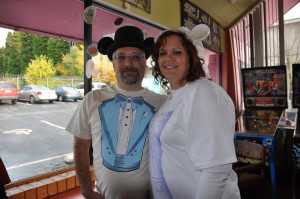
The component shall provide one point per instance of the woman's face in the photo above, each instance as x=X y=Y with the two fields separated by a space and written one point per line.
x=173 y=61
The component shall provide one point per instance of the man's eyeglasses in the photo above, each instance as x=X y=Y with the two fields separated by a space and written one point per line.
x=122 y=58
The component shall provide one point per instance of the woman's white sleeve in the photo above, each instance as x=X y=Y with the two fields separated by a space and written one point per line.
x=212 y=182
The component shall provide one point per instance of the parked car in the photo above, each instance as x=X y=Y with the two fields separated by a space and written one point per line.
x=66 y=92
x=8 y=91
x=95 y=85
x=35 y=94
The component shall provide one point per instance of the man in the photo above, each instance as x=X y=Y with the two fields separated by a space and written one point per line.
x=115 y=120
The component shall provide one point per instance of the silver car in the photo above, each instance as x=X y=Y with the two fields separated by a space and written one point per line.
x=35 y=94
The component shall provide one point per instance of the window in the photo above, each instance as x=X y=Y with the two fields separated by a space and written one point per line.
x=256 y=40
x=33 y=141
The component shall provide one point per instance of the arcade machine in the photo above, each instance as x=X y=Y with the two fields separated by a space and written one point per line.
x=296 y=104
x=265 y=99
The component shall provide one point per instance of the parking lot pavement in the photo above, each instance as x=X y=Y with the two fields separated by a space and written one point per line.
x=32 y=138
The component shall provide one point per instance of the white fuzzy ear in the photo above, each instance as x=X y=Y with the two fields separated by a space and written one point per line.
x=200 y=32
x=90 y=66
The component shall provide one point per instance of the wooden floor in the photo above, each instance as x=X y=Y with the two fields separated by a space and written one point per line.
x=283 y=187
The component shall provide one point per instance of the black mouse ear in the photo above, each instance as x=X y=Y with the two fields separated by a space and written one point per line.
x=103 y=44
x=150 y=42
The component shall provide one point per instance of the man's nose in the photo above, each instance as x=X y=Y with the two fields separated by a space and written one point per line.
x=128 y=60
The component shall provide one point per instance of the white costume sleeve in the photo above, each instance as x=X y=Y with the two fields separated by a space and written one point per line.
x=210 y=124
x=79 y=123
x=212 y=182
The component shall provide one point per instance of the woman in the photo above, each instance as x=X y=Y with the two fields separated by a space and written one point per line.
x=191 y=136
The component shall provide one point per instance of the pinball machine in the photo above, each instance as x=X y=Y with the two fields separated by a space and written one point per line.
x=265 y=101
x=296 y=104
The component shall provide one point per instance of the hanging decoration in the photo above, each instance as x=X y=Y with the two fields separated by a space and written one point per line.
x=89 y=14
x=89 y=69
x=92 y=50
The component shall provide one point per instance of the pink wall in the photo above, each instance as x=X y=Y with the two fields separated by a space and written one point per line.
x=212 y=63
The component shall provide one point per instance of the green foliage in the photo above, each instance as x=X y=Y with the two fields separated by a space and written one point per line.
x=3 y=66
x=13 y=64
x=26 y=52
x=39 y=68
x=20 y=48
x=39 y=45
x=13 y=49
x=72 y=63
x=56 y=49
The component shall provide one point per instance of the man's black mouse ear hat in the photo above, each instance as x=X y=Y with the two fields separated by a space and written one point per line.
x=126 y=36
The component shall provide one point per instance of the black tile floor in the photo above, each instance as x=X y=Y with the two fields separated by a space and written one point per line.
x=284 y=188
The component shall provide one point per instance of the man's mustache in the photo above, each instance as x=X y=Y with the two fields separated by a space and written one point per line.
x=130 y=70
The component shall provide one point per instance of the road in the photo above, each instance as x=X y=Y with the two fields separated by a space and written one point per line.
x=32 y=137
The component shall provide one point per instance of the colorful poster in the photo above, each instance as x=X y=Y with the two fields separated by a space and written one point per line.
x=143 y=4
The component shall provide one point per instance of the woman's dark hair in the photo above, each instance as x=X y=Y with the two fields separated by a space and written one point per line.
x=196 y=63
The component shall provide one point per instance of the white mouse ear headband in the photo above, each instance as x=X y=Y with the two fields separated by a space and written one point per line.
x=198 y=33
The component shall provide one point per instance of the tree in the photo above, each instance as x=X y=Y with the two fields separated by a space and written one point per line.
x=72 y=63
x=56 y=49
x=104 y=71
x=40 y=67
x=22 y=47
x=26 y=51
x=13 y=46
x=108 y=77
x=3 y=67
x=39 y=45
